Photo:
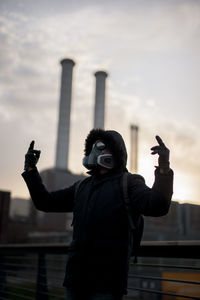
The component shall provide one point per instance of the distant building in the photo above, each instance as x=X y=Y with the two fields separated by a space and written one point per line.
x=4 y=215
x=181 y=223
x=189 y=218
x=19 y=208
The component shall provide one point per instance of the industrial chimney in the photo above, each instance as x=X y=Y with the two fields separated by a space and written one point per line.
x=134 y=148
x=62 y=150
x=99 y=111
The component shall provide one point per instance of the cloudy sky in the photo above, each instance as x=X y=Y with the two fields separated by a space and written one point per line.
x=150 y=50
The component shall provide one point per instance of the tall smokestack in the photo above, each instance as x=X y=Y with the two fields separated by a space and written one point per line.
x=99 y=111
x=62 y=150
x=134 y=148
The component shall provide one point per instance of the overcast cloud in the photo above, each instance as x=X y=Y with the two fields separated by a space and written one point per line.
x=150 y=50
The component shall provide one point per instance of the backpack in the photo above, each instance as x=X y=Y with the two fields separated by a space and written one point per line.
x=136 y=222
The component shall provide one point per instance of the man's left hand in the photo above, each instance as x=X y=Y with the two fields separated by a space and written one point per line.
x=163 y=152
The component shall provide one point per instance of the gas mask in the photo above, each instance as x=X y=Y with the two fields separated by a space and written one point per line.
x=98 y=158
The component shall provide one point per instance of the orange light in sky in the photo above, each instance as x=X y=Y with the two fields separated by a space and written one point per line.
x=182 y=186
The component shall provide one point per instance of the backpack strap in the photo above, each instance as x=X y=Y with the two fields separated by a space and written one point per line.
x=126 y=199
x=136 y=223
x=77 y=185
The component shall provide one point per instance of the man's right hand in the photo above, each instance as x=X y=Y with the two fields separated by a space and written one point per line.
x=31 y=158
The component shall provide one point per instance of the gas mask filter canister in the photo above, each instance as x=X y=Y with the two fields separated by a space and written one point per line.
x=98 y=158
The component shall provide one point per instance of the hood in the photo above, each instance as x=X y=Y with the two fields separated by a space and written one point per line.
x=113 y=141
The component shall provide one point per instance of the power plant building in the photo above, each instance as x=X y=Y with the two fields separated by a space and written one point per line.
x=181 y=221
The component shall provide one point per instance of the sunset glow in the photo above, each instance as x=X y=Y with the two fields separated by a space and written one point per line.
x=150 y=50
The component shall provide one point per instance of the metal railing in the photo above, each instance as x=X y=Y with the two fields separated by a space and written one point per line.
x=165 y=270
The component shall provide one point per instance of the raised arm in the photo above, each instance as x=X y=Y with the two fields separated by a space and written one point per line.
x=58 y=201
x=153 y=201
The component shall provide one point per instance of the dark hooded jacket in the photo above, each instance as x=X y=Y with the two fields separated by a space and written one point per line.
x=100 y=251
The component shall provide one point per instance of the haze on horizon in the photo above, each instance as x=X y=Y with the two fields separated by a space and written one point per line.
x=150 y=50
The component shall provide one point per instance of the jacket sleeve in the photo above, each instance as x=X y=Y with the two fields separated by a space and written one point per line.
x=153 y=201
x=58 y=201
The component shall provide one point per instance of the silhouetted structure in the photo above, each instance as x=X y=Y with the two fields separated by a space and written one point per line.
x=181 y=223
x=19 y=208
x=4 y=215
x=134 y=148
x=62 y=150
x=99 y=110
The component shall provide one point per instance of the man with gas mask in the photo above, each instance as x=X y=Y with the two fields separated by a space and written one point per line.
x=99 y=158
x=98 y=258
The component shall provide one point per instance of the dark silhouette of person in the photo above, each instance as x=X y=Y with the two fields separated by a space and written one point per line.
x=99 y=254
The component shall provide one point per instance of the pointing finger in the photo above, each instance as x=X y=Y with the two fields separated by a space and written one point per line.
x=31 y=145
x=159 y=140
